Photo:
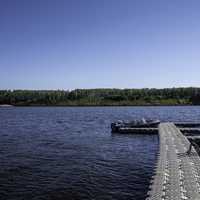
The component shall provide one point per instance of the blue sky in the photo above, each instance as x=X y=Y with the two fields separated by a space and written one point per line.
x=67 y=44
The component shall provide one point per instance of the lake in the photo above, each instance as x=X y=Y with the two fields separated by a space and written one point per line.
x=57 y=153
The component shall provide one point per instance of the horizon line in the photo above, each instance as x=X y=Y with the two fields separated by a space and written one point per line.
x=180 y=87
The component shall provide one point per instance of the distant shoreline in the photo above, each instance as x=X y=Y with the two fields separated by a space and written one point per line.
x=6 y=105
x=172 y=105
x=101 y=97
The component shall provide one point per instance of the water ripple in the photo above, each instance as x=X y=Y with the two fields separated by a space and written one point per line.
x=69 y=153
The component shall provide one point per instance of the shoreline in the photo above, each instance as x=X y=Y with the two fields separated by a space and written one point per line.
x=6 y=105
x=164 y=105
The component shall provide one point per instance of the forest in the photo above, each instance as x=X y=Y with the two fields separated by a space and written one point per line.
x=101 y=97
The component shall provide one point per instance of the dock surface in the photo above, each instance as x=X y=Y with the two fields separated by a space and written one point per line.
x=177 y=175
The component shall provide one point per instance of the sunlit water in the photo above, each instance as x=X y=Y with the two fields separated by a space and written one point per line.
x=57 y=153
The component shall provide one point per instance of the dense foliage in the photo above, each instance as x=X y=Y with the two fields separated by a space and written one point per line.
x=168 y=96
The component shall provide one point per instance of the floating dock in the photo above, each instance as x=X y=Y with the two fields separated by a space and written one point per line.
x=187 y=124
x=138 y=130
x=185 y=131
x=177 y=173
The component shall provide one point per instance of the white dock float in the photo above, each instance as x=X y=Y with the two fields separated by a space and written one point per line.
x=177 y=175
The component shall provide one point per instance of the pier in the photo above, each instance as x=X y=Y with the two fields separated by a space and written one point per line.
x=177 y=172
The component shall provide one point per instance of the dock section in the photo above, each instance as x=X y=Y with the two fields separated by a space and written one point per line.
x=138 y=130
x=177 y=174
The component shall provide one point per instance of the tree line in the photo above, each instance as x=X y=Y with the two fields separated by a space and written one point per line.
x=101 y=97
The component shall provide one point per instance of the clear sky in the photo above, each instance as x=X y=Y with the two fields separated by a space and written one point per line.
x=67 y=44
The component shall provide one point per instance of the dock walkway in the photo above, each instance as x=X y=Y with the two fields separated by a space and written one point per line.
x=177 y=175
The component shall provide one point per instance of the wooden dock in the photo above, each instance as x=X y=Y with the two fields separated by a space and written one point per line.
x=177 y=174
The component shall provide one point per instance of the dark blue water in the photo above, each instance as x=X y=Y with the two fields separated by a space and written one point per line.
x=69 y=153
